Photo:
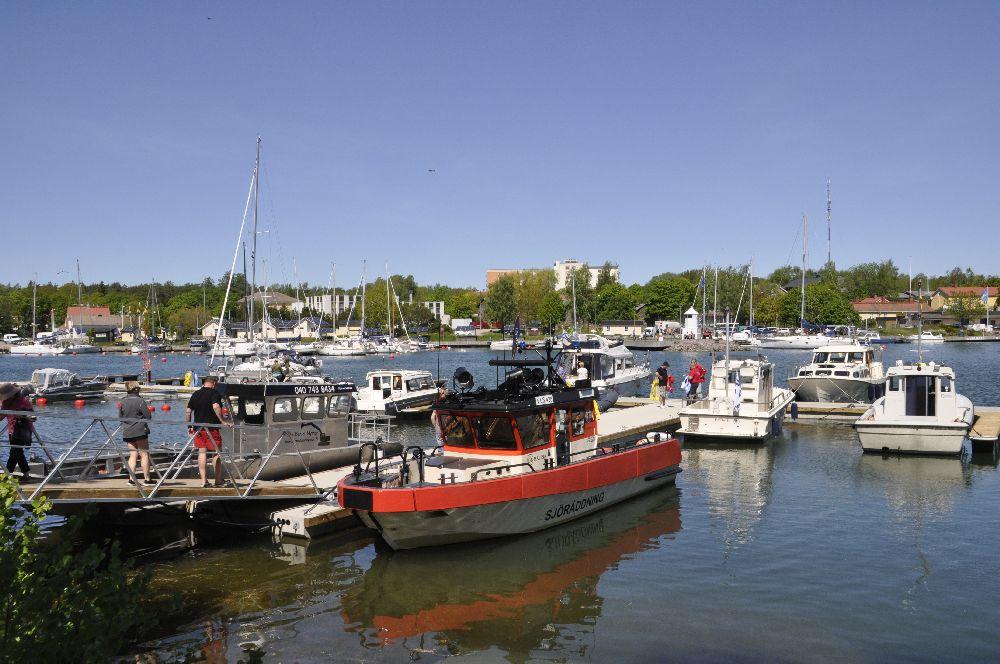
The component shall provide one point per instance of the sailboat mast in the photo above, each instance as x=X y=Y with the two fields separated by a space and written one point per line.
x=805 y=251
x=573 y=275
x=34 y=306
x=920 y=322
x=751 y=299
x=715 y=303
x=388 y=305
x=364 y=289
x=253 y=253
x=333 y=289
x=79 y=285
x=704 y=296
x=829 y=225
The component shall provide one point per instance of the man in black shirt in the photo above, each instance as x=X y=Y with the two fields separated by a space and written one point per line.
x=665 y=380
x=205 y=407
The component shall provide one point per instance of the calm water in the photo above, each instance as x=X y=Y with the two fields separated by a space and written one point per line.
x=801 y=549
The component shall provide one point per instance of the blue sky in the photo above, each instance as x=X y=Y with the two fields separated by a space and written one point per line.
x=658 y=135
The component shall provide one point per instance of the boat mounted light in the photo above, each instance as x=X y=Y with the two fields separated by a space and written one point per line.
x=463 y=379
x=534 y=377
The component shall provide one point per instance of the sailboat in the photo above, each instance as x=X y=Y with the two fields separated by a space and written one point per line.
x=802 y=340
x=35 y=346
x=921 y=412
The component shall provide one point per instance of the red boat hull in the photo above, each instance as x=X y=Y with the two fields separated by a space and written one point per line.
x=411 y=517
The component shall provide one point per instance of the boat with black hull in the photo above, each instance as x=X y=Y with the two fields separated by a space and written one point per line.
x=516 y=459
x=62 y=385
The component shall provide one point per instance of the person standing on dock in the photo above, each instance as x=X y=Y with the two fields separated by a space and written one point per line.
x=205 y=407
x=665 y=382
x=135 y=432
x=19 y=427
x=697 y=377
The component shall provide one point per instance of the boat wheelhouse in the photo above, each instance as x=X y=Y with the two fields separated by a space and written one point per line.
x=742 y=403
x=840 y=373
x=397 y=391
x=283 y=426
x=517 y=459
x=921 y=413
x=612 y=370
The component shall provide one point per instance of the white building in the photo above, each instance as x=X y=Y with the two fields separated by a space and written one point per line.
x=323 y=304
x=564 y=268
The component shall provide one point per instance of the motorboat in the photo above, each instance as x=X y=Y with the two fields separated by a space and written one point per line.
x=35 y=348
x=742 y=403
x=397 y=391
x=241 y=348
x=921 y=413
x=516 y=459
x=343 y=348
x=612 y=370
x=291 y=425
x=868 y=337
x=795 y=341
x=927 y=337
x=150 y=346
x=198 y=345
x=310 y=348
x=78 y=349
x=277 y=368
x=62 y=385
x=840 y=373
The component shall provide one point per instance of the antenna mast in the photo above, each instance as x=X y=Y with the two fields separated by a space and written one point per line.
x=805 y=252
x=829 y=222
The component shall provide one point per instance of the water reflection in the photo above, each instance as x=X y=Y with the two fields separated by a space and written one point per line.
x=738 y=479
x=916 y=487
x=521 y=594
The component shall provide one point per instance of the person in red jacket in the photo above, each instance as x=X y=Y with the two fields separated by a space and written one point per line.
x=697 y=377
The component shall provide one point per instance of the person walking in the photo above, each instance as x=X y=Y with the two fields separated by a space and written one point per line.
x=665 y=382
x=205 y=407
x=19 y=428
x=697 y=377
x=135 y=431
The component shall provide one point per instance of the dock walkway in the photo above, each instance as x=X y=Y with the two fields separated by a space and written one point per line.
x=986 y=426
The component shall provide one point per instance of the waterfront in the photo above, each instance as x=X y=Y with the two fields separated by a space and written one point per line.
x=802 y=548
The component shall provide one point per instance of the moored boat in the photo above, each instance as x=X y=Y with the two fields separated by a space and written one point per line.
x=62 y=385
x=840 y=373
x=517 y=459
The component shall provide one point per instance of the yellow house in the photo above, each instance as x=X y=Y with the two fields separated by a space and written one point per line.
x=945 y=296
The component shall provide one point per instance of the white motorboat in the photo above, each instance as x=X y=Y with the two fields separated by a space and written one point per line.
x=397 y=391
x=921 y=413
x=927 y=337
x=612 y=370
x=35 y=348
x=238 y=348
x=795 y=341
x=311 y=348
x=840 y=373
x=343 y=348
x=78 y=349
x=151 y=347
x=742 y=402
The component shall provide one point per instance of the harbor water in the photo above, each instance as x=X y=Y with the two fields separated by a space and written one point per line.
x=798 y=549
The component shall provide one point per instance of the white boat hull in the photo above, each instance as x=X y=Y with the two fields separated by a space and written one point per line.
x=794 y=343
x=907 y=438
x=746 y=426
x=34 y=350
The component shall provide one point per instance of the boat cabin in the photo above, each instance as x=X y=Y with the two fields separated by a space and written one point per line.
x=490 y=436
x=847 y=361
x=749 y=382
x=602 y=361
x=395 y=391
x=47 y=379
x=921 y=390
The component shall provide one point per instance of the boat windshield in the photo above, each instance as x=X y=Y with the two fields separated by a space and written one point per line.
x=456 y=430
x=495 y=433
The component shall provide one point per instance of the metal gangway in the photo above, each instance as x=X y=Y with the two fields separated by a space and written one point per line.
x=92 y=467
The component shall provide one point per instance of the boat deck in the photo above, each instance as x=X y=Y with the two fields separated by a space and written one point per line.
x=638 y=420
x=986 y=427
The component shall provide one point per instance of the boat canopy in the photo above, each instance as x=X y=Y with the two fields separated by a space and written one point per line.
x=44 y=378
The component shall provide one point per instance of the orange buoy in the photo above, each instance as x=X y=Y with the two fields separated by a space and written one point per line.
x=41 y=401
x=165 y=407
x=79 y=403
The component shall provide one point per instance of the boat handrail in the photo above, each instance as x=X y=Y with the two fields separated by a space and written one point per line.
x=500 y=469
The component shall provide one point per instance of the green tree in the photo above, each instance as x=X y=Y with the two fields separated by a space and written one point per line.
x=871 y=279
x=668 y=297
x=501 y=300
x=532 y=287
x=59 y=600
x=784 y=275
x=614 y=302
x=825 y=305
x=552 y=310
x=606 y=275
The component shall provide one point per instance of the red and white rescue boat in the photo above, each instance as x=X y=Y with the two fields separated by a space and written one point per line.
x=517 y=459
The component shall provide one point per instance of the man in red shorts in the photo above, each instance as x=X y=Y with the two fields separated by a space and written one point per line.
x=205 y=407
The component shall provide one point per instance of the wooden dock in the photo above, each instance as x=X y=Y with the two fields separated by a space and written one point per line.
x=117 y=489
x=638 y=420
x=808 y=411
x=986 y=426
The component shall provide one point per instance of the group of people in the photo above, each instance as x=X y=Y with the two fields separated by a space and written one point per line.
x=690 y=386
x=203 y=408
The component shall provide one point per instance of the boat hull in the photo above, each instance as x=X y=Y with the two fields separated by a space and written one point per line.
x=885 y=437
x=824 y=389
x=410 y=530
x=757 y=427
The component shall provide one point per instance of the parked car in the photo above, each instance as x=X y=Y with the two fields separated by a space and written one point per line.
x=11 y=338
x=465 y=331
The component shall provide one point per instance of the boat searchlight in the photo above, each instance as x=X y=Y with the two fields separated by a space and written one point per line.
x=463 y=379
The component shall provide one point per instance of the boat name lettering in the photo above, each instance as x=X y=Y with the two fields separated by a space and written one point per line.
x=543 y=400
x=577 y=505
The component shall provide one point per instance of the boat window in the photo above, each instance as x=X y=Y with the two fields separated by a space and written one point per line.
x=495 y=433
x=838 y=357
x=805 y=372
x=819 y=358
x=397 y=382
x=945 y=384
x=921 y=399
x=376 y=383
x=607 y=366
x=456 y=430
x=629 y=362
x=894 y=384
x=534 y=430
x=413 y=385
x=253 y=411
x=576 y=423
x=312 y=408
x=338 y=405
x=285 y=409
x=857 y=357
x=842 y=373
